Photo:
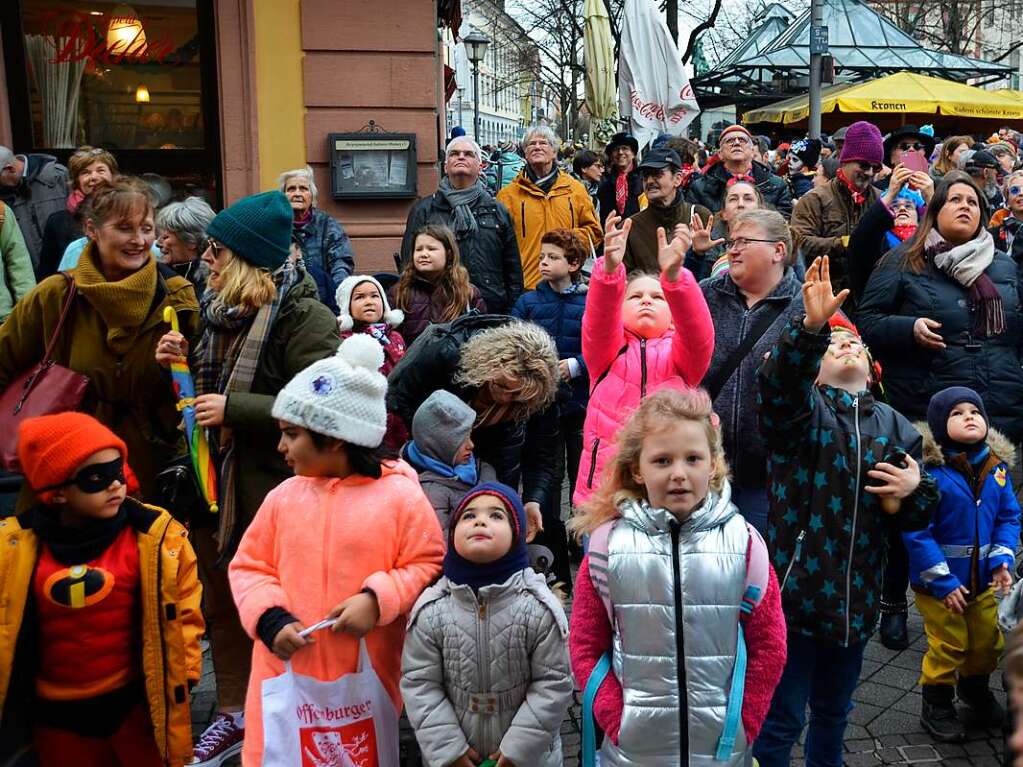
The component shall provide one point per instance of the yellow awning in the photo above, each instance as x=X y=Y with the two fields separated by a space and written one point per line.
x=901 y=93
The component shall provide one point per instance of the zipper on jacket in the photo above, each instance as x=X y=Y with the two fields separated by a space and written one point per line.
x=735 y=400
x=593 y=462
x=642 y=368
x=163 y=643
x=856 y=509
x=484 y=675
x=680 y=650
x=571 y=212
x=523 y=209
x=795 y=557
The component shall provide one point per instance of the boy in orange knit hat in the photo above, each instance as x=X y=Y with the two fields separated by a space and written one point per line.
x=104 y=590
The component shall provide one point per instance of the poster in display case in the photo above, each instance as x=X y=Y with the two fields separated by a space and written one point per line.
x=372 y=165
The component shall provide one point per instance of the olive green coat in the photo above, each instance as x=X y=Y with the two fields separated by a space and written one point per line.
x=305 y=331
x=130 y=393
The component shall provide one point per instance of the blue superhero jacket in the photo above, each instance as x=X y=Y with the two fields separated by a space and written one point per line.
x=974 y=530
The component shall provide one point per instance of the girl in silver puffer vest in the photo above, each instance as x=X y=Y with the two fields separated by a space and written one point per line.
x=485 y=666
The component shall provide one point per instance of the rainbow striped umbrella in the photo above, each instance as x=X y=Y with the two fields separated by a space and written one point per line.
x=184 y=388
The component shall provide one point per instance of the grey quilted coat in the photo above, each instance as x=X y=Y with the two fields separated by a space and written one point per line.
x=488 y=672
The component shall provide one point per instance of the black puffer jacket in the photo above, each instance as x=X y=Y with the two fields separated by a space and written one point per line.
x=708 y=190
x=492 y=256
x=431 y=363
x=606 y=194
x=827 y=535
x=895 y=297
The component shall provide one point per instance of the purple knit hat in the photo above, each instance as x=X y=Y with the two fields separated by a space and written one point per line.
x=863 y=142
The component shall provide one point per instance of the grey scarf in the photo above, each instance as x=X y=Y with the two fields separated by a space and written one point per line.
x=462 y=201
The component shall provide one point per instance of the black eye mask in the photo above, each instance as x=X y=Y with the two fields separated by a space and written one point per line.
x=95 y=477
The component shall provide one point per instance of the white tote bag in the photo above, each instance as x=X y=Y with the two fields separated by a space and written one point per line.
x=350 y=722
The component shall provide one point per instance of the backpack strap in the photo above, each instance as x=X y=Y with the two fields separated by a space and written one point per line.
x=757 y=572
x=597 y=676
x=733 y=712
x=597 y=552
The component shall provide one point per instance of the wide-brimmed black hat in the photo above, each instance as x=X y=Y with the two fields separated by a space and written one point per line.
x=904 y=132
x=622 y=139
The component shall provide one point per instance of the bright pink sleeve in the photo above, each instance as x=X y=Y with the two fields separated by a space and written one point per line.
x=589 y=637
x=603 y=331
x=255 y=583
x=765 y=657
x=420 y=552
x=693 y=342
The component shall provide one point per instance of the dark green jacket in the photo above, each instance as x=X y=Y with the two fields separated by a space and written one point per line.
x=305 y=331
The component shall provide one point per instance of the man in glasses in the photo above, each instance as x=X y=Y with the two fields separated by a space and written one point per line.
x=900 y=146
x=825 y=217
x=734 y=161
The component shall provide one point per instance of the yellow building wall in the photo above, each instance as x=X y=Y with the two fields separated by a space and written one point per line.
x=279 y=97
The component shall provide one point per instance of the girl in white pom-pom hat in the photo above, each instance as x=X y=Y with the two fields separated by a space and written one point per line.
x=363 y=308
x=350 y=537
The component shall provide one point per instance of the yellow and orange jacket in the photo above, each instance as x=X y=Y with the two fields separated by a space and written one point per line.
x=172 y=621
x=566 y=206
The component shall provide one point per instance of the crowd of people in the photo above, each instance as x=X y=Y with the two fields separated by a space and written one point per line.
x=783 y=386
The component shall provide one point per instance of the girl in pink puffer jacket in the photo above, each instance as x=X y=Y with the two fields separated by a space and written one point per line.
x=639 y=335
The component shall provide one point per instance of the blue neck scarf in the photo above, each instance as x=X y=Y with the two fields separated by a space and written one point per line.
x=465 y=472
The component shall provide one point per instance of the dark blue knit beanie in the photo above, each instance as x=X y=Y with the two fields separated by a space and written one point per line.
x=461 y=571
x=257 y=228
x=940 y=407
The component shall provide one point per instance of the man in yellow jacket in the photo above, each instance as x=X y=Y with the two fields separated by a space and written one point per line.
x=541 y=198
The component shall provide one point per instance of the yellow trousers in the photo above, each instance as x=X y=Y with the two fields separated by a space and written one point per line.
x=959 y=645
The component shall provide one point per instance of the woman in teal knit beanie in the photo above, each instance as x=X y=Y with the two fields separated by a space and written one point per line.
x=262 y=323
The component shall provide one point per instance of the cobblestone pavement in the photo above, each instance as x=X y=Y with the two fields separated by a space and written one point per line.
x=884 y=726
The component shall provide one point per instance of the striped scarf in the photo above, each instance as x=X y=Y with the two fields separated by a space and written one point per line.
x=230 y=354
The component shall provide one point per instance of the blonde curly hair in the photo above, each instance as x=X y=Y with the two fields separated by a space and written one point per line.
x=662 y=409
x=519 y=350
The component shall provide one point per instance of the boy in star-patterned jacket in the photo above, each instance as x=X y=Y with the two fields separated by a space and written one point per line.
x=842 y=468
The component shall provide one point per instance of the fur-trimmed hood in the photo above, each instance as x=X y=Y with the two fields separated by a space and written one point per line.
x=1000 y=445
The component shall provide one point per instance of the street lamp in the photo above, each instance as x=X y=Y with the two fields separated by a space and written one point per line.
x=476 y=50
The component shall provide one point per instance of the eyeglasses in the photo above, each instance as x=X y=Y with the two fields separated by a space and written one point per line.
x=873 y=167
x=906 y=146
x=735 y=140
x=904 y=206
x=538 y=142
x=215 y=246
x=740 y=244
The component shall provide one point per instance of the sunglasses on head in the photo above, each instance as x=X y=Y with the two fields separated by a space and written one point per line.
x=94 y=478
x=916 y=146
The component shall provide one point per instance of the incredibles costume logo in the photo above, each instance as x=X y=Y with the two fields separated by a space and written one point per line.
x=78 y=586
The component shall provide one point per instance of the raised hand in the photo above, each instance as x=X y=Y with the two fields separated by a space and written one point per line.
x=900 y=175
x=616 y=234
x=702 y=240
x=819 y=301
x=923 y=183
x=670 y=255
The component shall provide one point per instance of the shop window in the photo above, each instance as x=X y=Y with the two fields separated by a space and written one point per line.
x=138 y=79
